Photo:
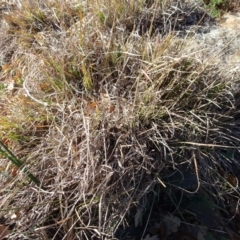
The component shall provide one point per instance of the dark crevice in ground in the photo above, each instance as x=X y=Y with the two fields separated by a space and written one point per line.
x=180 y=19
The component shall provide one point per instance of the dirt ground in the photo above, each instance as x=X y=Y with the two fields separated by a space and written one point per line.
x=220 y=44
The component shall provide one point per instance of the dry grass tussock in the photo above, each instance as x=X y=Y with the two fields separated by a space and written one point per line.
x=119 y=125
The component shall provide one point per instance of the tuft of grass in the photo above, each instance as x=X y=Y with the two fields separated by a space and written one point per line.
x=118 y=123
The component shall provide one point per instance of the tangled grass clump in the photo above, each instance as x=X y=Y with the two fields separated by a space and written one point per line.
x=120 y=126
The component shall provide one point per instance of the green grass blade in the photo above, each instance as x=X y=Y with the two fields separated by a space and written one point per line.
x=9 y=155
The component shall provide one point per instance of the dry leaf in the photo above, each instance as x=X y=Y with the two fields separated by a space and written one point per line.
x=151 y=238
x=111 y=108
x=3 y=231
x=5 y=141
x=44 y=86
x=194 y=231
x=159 y=229
x=91 y=108
x=200 y=235
x=14 y=171
x=232 y=180
x=138 y=217
x=172 y=223
x=231 y=234
x=5 y=67
x=17 y=76
x=92 y=105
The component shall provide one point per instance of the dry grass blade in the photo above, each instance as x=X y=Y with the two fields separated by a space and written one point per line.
x=120 y=123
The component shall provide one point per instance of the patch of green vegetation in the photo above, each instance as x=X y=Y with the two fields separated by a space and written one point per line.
x=2 y=88
x=218 y=7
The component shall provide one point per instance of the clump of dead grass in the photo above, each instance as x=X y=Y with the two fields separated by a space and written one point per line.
x=108 y=114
